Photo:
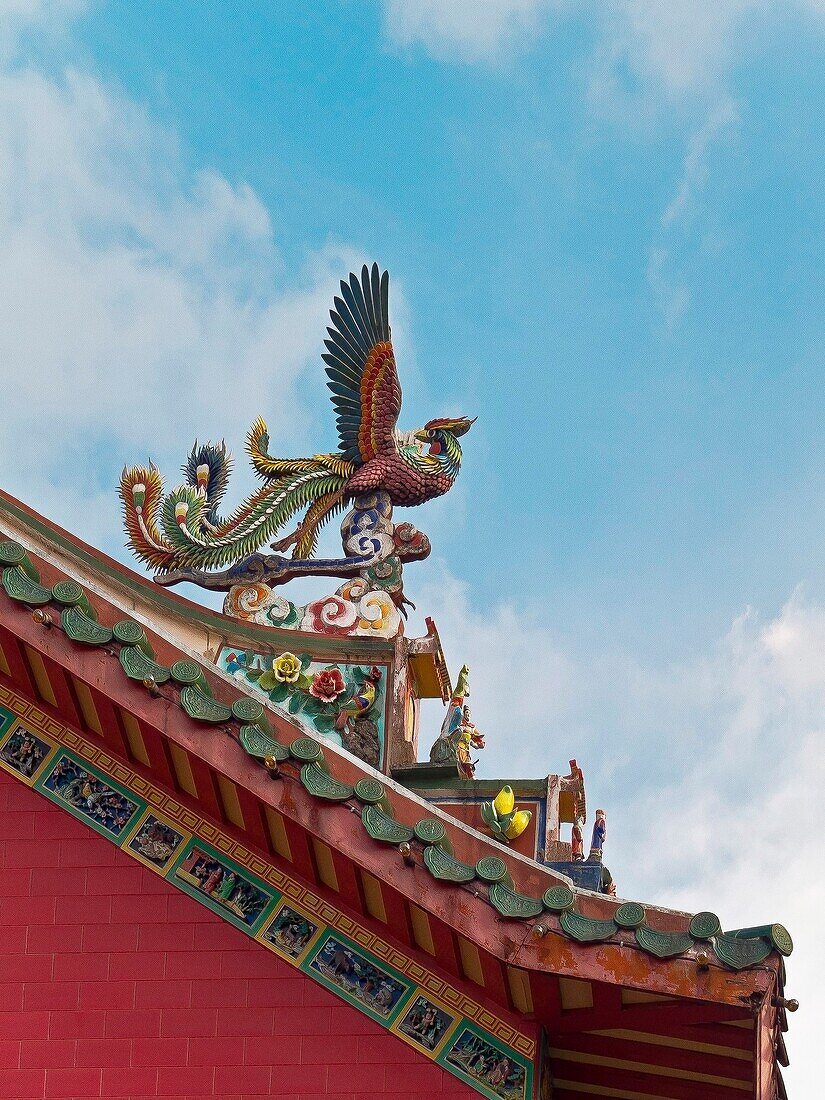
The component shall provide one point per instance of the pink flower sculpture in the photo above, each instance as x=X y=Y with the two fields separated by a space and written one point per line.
x=327 y=685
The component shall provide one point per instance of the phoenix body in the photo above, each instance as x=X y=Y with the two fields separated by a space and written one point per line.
x=183 y=529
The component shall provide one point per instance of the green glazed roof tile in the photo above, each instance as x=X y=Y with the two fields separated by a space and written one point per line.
x=430 y=831
x=664 y=945
x=128 y=632
x=704 y=926
x=585 y=929
x=445 y=867
x=80 y=628
x=380 y=826
x=306 y=750
x=629 y=915
x=559 y=898
x=138 y=666
x=740 y=954
x=19 y=586
x=259 y=745
x=511 y=904
x=492 y=869
x=13 y=554
x=322 y=785
x=203 y=708
x=370 y=791
x=248 y=710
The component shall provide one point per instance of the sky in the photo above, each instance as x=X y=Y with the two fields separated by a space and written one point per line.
x=604 y=226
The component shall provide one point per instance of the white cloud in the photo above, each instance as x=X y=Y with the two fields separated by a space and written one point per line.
x=475 y=31
x=670 y=251
x=140 y=303
x=675 y=45
x=712 y=769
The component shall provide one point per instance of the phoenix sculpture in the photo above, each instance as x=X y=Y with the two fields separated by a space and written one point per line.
x=182 y=535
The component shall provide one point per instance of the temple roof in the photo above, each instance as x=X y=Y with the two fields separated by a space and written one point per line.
x=116 y=666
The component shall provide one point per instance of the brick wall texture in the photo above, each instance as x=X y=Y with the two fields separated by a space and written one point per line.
x=115 y=984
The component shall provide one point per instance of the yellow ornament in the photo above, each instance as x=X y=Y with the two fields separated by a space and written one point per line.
x=504 y=802
x=519 y=823
x=287 y=668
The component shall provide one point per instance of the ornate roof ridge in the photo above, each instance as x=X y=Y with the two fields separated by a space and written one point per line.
x=66 y=606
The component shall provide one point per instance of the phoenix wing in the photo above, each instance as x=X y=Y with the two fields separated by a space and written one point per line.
x=361 y=368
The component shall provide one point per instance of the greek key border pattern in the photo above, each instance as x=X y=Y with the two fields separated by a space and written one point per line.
x=193 y=823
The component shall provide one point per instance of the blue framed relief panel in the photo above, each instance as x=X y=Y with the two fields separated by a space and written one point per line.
x=425 y=1023
x=290 y=932
x=492 y=1069
x=155 y=841
x=90 y=795
x=357 y=976
x=222 y=885
x=23 y=753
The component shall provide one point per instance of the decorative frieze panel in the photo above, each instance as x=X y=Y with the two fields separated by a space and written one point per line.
x=284 y=916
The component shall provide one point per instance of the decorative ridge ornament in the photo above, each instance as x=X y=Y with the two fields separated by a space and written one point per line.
x=458 y=732
x=183 y=536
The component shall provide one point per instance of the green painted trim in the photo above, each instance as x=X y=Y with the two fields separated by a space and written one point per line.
x=479 y=1086
x=7 y=718
x=172 y=875
x=410 y=989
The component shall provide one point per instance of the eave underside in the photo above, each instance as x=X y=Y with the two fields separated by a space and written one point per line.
x=606 y=1037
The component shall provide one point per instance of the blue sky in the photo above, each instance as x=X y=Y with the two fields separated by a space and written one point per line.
x=638 y=332
x=604 y=227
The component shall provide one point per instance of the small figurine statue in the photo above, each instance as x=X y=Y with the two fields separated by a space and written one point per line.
x=577 y=835
x=599 y=836
x=458 y=732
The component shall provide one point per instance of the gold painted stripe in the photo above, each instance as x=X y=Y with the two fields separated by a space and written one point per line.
x=606 y=1090
x=192 y=824
x=470 y=961
x=679 y=1044
x=374 y=897
x=644 y=1067
x=4 y=664
x=325 y=864
x=231 y=803
x=519 y=984
x=747 y=1025
x=575 y=993
x=134 y=738
x=421 y=929
x=637 y=997
x=87 y=706
x=182 y=769
x=277 y=834
x=40 y=676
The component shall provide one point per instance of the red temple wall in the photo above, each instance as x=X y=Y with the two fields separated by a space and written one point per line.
x=114 y=984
